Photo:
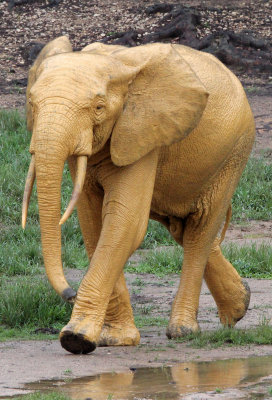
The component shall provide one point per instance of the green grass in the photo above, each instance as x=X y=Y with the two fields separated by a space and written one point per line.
x=43 y=396
x=159 y=262
x=25 y=333
x=142 y=320
x=253 y=196
x=157 y=235
x=229 y=337
x=27 y=303
x=250 y=261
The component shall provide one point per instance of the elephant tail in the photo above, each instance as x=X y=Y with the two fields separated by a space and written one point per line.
x=227 y=221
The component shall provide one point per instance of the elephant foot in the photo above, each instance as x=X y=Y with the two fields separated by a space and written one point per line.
x=175 y=330
x=76 y=343
x=121 y=335
x=79 y=338
x=235 y=308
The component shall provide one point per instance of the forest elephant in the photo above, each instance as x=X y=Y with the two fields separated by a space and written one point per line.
x=157 y=131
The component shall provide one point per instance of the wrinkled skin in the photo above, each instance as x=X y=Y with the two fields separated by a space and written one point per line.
x=159 y=131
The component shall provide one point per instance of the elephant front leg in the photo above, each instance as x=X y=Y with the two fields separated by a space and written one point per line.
x=119 y=328
x=82 y=333
x=126 y=207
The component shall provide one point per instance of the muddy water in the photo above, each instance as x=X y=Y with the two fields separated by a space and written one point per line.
x=168 y=382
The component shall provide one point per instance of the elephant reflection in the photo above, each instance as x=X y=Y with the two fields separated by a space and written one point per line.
x=170 y=382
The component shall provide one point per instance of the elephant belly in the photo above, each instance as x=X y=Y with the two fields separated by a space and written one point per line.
x=185 y=172
x=177 y=195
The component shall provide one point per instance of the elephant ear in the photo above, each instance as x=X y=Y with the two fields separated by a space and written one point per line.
x=165 y=102
x=56 y=46
x=101 y=48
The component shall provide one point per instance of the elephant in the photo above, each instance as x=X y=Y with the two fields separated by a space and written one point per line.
x=158 y=131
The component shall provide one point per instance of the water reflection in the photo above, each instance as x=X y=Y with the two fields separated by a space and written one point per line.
x=163 y=383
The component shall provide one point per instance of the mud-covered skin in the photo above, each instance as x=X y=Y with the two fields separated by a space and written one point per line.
x=156 y=130
x=175 y=331
x=246 y=300
x=119 y=336
x=69 y=295
x=76 y=343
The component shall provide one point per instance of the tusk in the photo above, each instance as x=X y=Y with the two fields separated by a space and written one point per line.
x=30 y=179
x=79 y=182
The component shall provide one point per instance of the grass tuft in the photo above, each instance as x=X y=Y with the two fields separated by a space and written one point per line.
x=229 y=337
x=142 y=321
x=251 y=261
x=31 y=303
x=43 y=396
x=157 y=235
x=253 y=196
x=159 y=262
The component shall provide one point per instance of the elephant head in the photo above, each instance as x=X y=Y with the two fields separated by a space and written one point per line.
x=138 y=99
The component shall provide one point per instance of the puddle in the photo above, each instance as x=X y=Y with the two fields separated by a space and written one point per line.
x=167 y=383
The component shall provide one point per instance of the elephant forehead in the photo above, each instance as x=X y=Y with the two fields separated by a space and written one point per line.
x=84 y=62
x=71 y=81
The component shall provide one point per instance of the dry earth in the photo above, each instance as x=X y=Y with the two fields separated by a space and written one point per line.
x=84 y=22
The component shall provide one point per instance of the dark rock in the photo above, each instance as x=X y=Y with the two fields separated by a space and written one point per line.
x=31 y=51
x=52 y=3
x=162 y=8
x=13 y=3
x=19 y=82
x=45 y=3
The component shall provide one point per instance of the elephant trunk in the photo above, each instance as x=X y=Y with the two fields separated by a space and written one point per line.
x=51 y=152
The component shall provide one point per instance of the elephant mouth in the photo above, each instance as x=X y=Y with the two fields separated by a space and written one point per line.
x=78 y=186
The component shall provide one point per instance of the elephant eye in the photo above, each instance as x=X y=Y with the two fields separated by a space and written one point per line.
x=99 y=106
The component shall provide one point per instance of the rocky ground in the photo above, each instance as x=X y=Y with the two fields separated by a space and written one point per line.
x=24 y=26
x=239 y=33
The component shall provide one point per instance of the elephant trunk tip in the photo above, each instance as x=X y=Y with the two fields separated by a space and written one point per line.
x=69 y=295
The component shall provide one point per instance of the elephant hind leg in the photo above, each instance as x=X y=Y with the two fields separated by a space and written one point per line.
x=199 y=233
x=119 y=328
x=230 y=292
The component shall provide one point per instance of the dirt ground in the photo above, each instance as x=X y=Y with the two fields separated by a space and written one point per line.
x=28 y=361
x=31 y=361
